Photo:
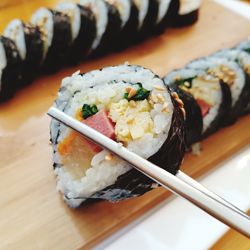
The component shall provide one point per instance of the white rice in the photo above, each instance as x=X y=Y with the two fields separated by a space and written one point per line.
x=188 y=6
x=244 y=45
x=213 y=63
x=43 y=18
x=103 y=173
x=73 y=11
x=3 y=62
x=142 y=6
x=162 y=9
x=124 y=7
x=100 y=11
x=15 y=32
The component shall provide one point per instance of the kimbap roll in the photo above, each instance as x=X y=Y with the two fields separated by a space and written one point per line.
x=108 y=24
x=129 y=22
x=231 y=74
x=167 y=10
x=130 y=105
x=150 y=19
x=83 y=29
x=142 y=7
x=29 y=42
x=212 y=101
x=243 y=59
x=188 y=13
x=10 y=68
x=56 y=29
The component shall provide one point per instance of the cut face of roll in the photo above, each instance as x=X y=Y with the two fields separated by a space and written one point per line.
x=56 y=29
x=128 y=104
x=10 y=68
x=30 y=44
x=188 y=13
x=83 y=29
x=231 y=74
x=211 y=95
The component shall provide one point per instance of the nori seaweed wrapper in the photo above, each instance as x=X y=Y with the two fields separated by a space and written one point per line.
x=149 y=21
x=223 y=112
x=169 y=157
x=128 y=33
x=82 y=44
x=167 y=20
x=61 y=43
x=186 y=20
x=112 y=32
x=34 y=52
x=11 y=74
x=193 y=120
x=246 y=109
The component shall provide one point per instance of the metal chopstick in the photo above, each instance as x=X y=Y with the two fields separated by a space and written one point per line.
x=208 y=203
x=190 y=181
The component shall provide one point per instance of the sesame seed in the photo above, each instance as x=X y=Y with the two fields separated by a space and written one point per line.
x=160 y=98
x=175 y=95
x=160 y=88
x=132 y=92
x=109 y=157
x=180 y=102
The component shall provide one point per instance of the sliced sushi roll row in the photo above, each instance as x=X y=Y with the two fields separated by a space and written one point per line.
x=215 y=90
x=130 y=105
x=72 y=32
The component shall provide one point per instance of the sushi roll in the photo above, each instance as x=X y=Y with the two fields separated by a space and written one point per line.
x=231 y=74
x=10 y=68
x=167 y=10
x=149 y=22
x=142 y=8
x=108 y=25
x=129 y=22
x=243 y=59
x=29 y=42
x=83 y=29
x=188 y=13
x=212 y=101
x=130 y=105
x=56 y=29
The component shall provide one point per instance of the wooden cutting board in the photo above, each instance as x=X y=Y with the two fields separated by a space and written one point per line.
x=32 y=213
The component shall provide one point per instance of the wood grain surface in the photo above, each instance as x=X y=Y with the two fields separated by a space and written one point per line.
x=232 y=240
x=32 y=213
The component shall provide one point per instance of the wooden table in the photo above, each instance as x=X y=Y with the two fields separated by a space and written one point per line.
x=32 y=213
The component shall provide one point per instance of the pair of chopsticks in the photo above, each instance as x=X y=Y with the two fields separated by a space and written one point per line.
x=180 y=184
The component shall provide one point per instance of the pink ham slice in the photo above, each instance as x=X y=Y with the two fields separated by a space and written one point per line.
x=205 y=107
x=103 y=124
